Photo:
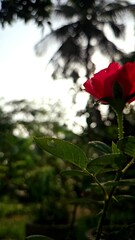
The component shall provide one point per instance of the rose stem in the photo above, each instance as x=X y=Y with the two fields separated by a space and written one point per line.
x=120 y=124
x=107 y=199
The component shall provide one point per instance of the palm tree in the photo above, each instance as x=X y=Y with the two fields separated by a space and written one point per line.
x=82 y=32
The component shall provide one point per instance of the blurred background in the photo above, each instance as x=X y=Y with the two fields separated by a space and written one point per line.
x=48 y=50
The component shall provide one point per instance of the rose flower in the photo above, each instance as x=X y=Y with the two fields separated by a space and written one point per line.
x=102 y=86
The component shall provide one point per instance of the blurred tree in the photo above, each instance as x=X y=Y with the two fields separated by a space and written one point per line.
x=78 y=25
x=30 y=181
x=19 y=155
x=29 y=175
x=37 y=10
x=81 y=31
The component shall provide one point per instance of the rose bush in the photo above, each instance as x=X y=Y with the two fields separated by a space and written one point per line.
x=111 y=171
x=101 y=85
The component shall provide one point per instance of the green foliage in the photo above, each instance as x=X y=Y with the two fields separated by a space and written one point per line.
x=127 y=145
x=13 y=228
x=29 y=180
x=30 y=177
x=63 y=149
x=106 y=170
x=123 y=182
x=73 y=154
x=100 y=146
x=106 y=163
x=19 y=156
x=115 y=148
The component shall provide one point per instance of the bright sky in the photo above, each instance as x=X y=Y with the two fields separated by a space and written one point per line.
x=23 y=74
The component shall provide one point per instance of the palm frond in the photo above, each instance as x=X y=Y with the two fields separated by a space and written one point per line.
x=61 y=34
x=108 y=48
x=83 y=33
x=116 y=9
x=69 y=50
x=66 y=11
x=44 y=44
x=118 y=29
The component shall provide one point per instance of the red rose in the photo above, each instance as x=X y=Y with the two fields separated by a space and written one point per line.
x=101 y=85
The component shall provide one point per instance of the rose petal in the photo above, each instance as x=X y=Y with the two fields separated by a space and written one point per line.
x=101 y=84
x=127 y=79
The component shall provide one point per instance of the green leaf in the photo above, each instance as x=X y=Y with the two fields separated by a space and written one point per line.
x=64 y=150
x=125 y=197
x=73 y=173
x=115 y=148
x=127 y=145
x=125 y=182
x=107 y=162
x=38 y=237
x=120 y=198
x=107 y=184
x=100 y=146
